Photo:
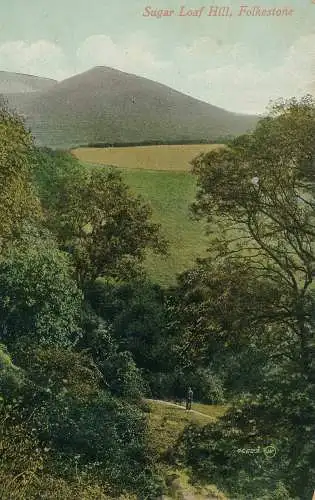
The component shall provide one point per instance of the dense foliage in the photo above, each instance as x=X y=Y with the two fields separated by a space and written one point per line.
x=85 y=335
x=94 y=217
x=18 y=201
x=71 y=415
x=255 y=294
x=40 y=301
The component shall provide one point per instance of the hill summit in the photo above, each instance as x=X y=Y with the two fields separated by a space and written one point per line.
x=106 y=105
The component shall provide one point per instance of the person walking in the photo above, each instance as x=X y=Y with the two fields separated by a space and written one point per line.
x=189 y=398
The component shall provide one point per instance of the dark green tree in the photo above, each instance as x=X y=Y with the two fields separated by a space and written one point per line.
x=120 y=374
x=95 y=217
x=257 y=289
x=137 y=314
x=39 y=299
x=17 y=197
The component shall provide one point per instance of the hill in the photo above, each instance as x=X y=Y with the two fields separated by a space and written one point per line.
x=16 y=83
x=107 y=105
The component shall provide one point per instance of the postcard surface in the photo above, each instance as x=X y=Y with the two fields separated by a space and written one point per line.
x=157 y=249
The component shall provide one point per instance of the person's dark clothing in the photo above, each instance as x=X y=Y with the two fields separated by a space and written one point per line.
x=189 y=399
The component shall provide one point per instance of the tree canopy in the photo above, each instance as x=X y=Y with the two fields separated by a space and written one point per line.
x=39 y=299
x=95 y=217
x=18 y=201
x=257 y=193
x=256 y=293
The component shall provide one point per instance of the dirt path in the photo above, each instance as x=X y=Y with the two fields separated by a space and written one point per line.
x=168 y=403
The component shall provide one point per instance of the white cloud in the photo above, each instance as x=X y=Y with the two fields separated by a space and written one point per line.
x=135 y=54
x=132 y=55
x=41 y=58
x=232 y=77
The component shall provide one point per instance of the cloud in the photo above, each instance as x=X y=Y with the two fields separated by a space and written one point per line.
x=42 y=58
x=132 y=55
x=135 y=54
x=226 y=75
x=231 y=77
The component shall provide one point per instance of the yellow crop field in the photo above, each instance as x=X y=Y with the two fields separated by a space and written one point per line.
x=173 y=158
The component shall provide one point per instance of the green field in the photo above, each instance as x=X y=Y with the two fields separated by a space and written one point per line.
x=169 y=194
x=169 y=191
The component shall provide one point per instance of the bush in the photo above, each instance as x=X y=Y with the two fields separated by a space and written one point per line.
x=119 y=371
x=27 y=470
x=83 y=430
x=39 y=300
x=104 y=435
x=253 y=451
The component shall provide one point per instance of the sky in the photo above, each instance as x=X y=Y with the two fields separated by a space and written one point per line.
x=238 y=62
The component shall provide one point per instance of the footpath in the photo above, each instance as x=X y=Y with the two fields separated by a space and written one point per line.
x=180 y=407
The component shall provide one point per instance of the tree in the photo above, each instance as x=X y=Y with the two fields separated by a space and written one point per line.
x=82 y=432
x=137 y=315
x=257 y=192
x=95 y=217
x=256 y=289
x=39 y=299
x=116 y=365
x=17 y=198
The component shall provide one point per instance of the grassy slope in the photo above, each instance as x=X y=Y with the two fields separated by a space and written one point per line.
x=166 y=423
x=169 y=194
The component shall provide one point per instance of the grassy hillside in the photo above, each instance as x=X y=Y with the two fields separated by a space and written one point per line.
x=107 y=105
x=171 y=158
x=160 y=174
x=166 y=423
x=169 y=195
